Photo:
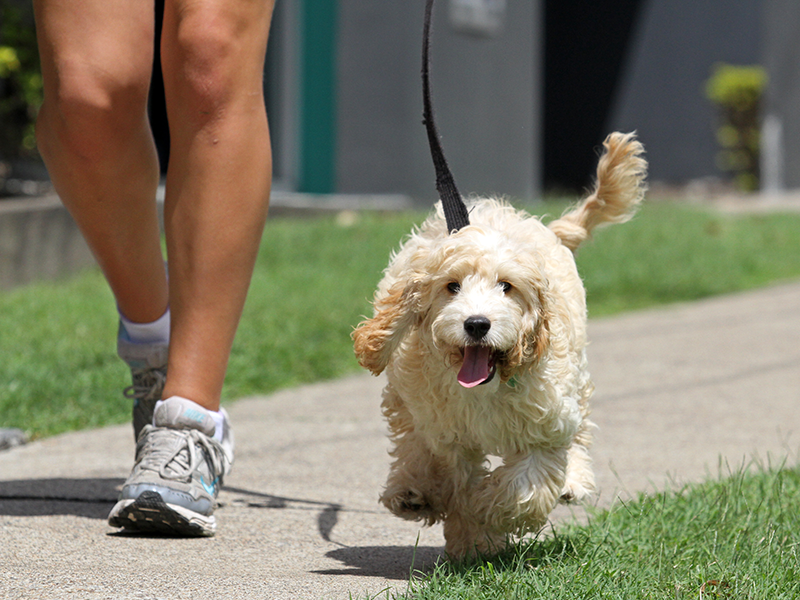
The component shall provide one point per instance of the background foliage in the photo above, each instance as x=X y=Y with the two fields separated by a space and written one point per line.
x=20 y=81
x=737 y=93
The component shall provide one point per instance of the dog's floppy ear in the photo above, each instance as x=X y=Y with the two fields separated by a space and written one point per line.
x=377 y=338
x=539 y=338
x=533 y=339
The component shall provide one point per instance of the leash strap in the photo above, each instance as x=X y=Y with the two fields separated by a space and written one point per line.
x=455 y=211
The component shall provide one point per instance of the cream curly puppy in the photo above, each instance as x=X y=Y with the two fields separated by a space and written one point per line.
x=482 y=334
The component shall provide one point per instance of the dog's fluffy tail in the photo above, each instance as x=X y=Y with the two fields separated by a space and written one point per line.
x=618 y=191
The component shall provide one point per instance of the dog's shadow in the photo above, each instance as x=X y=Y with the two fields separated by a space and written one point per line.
x=90 y=498
x=388 y=562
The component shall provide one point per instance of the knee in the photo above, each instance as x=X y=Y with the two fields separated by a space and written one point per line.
x=210 y=66
x=86 y=111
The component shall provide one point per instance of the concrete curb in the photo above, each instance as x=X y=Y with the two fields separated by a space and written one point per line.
x=38 y=240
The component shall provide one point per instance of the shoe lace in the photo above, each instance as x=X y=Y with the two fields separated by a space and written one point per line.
x=147 y=384
x=178 y=461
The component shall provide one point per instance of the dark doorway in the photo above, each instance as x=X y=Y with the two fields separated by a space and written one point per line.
x=586 y=44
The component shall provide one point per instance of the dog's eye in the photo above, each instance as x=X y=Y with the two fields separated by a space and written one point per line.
x=506 y=286
x=453 y=287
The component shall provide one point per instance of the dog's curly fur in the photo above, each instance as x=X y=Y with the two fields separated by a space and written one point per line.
x=482 y=334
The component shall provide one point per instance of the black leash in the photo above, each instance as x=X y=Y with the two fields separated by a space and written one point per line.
x=455 y=211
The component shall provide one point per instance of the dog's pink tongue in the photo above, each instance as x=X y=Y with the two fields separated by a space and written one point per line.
x=475 y=369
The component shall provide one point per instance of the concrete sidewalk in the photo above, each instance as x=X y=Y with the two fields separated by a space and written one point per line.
x=677 y=388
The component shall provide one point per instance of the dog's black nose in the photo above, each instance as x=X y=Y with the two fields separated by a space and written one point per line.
x=477 y=326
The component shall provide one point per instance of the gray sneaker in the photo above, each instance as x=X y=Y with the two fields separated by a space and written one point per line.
x=148 y=364
x=179 y=468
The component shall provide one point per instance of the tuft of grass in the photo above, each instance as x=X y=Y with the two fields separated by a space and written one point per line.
x=313 y=283
x=730 y=538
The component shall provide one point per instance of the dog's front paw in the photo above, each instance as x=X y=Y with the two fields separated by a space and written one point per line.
x=411 y=505
x=467 y=538
x=576 y=491
x=579 y=481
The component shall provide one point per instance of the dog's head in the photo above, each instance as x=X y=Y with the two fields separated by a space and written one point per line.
x=479 y=298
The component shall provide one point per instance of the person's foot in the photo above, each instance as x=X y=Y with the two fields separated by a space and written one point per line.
x=179 y=468
x=148 y=364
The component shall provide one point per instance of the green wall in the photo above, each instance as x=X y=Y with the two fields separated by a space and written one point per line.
x=317 y=164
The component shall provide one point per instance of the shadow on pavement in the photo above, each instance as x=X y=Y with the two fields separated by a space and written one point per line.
x=389 y=562
x=91 y=498
x=327 y=518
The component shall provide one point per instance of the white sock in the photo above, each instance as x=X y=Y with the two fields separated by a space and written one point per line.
x=219 y=424
x=147 y=333
x=216 y=416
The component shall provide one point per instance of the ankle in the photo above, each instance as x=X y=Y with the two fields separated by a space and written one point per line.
x=193 y=416
x=155 y=332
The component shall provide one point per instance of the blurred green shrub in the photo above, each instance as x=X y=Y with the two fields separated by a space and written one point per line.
x=20 y=81
x=737 y=93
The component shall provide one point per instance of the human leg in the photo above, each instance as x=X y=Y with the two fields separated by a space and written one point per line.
x=218 y=181
x=216 y=201
x=94 y=135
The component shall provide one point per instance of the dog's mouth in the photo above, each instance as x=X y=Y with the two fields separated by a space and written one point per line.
x=479 y=366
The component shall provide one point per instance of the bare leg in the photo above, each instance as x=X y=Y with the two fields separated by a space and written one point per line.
x=94 y=136
x=218 y=182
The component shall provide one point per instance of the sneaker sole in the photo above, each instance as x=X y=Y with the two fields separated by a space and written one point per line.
x=150 y=514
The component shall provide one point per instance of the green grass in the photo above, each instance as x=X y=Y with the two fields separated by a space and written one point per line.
x=312 y=284
x=673 y=253
x=736 y=537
